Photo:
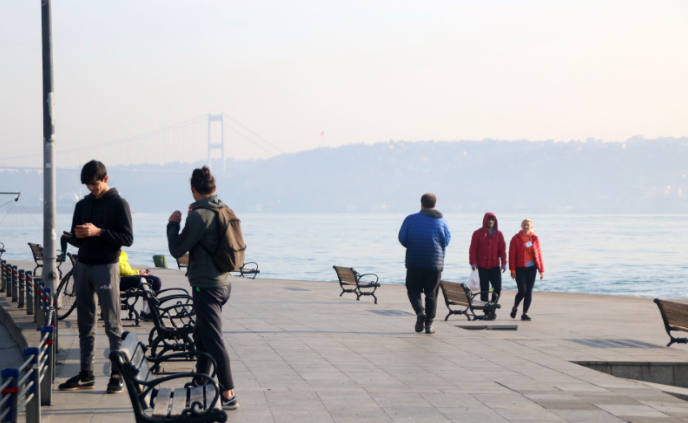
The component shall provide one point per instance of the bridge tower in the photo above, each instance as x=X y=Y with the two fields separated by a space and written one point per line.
x=213 y=144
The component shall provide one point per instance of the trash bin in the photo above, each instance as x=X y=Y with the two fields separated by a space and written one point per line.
x=160 y=261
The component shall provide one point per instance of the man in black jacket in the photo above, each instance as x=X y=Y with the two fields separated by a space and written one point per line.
x=100 y=227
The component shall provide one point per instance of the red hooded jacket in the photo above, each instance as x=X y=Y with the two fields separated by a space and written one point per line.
x=517 y=252
x=486 y=249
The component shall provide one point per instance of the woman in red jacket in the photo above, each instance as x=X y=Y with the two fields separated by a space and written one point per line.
x=525 y=260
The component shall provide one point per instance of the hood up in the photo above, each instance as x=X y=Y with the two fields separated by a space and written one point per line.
x=487 y=216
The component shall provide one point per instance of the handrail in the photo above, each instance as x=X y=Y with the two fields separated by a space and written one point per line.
x=29 y=386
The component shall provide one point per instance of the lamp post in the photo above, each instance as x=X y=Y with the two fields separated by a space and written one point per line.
x=49 y=212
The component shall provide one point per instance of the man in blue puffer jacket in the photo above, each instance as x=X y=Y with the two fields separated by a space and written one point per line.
x=425 y=236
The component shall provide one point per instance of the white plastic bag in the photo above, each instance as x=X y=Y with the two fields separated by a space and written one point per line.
x=474 y=281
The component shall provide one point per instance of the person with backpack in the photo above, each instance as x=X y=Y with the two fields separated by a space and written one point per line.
x=212 y=237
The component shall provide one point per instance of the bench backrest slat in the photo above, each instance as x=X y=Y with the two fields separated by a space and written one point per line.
x=676 y=314
x=346 y=275
x=37 y=251
x=162 y=402
x=178 y=402
x=455 y=292
x=133 y=349
x=196 y=395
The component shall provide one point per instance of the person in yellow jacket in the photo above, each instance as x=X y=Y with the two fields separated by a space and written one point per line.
x=130 y=278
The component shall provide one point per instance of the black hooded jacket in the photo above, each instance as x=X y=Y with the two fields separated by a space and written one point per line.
x=111 y=214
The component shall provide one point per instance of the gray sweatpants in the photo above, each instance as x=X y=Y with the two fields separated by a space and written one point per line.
x=103 y=280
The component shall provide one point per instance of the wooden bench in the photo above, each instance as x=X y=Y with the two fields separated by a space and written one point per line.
x=675 y=317
x=351 y=281
x=247 y=270
x=37 y=251
x=458 y=294
x=177 y=398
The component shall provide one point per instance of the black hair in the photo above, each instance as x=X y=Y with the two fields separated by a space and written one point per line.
x=203 y=181
x=428 y=201
x=93 y=171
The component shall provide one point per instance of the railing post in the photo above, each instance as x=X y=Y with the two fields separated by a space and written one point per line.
x=15 y=283
x=40 y=311
x=29 y=293
x=21 y=285
x=13 y=390
x=33 y=407
x=3 y=282
x=47 y=381
x=8 y=280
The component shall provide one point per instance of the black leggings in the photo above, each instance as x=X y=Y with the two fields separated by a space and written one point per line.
x=490 y=276
x=525 y=279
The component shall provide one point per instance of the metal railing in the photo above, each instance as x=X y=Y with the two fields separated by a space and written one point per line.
x=29 y=386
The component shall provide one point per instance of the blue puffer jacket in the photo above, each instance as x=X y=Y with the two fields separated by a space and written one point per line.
x=425 y=236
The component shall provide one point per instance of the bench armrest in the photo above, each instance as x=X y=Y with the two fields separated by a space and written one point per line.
x=496 y=300
x=185 y=292
x=370 y=275
x=194 y=408
x=247 y=263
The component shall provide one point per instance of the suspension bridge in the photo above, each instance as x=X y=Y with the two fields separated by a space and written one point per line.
x=211 y=137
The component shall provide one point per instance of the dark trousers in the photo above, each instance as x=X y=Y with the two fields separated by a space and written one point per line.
x=525 y=280
x=128 y=282
x=423 y=281
x=490 y=276
x=207 y=332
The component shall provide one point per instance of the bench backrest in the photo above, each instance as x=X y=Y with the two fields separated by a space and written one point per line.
x=346 y=275
x=37 y=251
x=455 y=293
x=675 y=314
x=183 y=261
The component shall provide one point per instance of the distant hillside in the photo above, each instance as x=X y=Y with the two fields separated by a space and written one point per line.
x=638 y=176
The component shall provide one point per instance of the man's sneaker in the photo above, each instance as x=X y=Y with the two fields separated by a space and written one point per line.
x=420 y=322
x=146 y=317
x=429 y=328
x=115 y=385
x=78 y=383
x=230 y=404
x=526 y=318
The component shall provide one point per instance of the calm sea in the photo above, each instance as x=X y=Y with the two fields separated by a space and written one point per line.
x=642 y=255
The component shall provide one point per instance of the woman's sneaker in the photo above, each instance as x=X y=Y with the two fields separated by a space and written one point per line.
x=230 y=404
x=146 y=317
x=78 y=383
x=420 y=322
x=526 y=318
x=513 y=312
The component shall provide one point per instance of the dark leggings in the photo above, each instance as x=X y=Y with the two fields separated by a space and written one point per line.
x=525 y=279
x=133 y=281
x=490 y=276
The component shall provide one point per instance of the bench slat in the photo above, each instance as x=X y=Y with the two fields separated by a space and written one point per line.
x=178 y=402
x=162 y=402
x=676 y=314
x=196 y=394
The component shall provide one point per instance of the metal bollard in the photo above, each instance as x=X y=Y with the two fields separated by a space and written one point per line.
x=15 y=284
x=8 y=280
x=49 y=377
x=40 y=311
x=22 y=284
x=29 y=293
x=13 y=390
x=3 y=282
x=33 y=407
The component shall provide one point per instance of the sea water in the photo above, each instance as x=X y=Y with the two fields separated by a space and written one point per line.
x=641 y=255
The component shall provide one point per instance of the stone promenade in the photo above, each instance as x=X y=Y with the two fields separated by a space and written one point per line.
x=300 y=353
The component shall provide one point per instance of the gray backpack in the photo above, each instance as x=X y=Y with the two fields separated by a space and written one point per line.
x=231 y=248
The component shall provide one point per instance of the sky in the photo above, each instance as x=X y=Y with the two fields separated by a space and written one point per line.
x=361 y=71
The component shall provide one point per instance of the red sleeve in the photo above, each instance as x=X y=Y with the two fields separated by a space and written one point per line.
x=473 y=250
x=538 y=256
x=502 y=249
x=513 y=245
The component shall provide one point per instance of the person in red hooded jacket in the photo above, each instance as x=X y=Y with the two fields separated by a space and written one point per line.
x=485 y=253
x=525 y=260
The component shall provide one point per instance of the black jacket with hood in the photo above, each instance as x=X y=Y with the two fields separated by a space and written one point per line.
x=111 y=214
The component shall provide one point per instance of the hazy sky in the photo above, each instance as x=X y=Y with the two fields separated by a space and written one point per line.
x=362 y=71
